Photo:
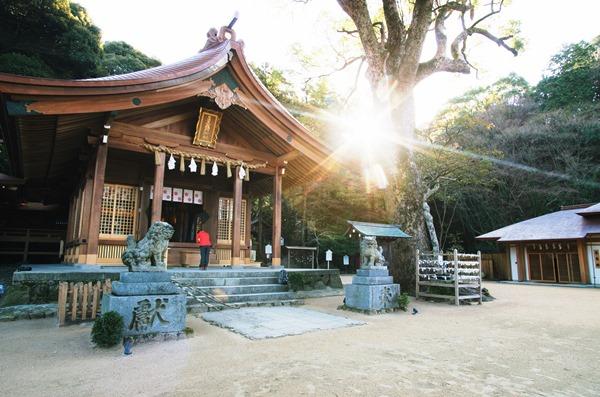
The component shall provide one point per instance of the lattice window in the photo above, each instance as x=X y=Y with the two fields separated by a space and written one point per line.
x=119 y=210
x=225 y=222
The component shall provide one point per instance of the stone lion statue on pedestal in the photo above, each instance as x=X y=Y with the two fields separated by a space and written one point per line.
x=370 y=253
x=148 y=254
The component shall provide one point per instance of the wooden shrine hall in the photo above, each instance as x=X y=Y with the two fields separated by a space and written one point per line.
x=189 y=143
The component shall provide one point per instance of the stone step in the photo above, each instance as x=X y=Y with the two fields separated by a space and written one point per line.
x=243 y=289
x=225 y=281
x=257 y=297
x=224 y=273
x=200 y=308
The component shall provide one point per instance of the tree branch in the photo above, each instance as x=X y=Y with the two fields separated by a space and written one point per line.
x=358 y=11
x=394 y=23
x=347 y=63
x=442 y=64
x=415 y=38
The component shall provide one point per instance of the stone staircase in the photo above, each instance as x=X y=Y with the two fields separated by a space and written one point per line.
x=212 y=290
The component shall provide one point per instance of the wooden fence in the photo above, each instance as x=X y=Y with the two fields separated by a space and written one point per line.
x=458 y=271
x=80 y=301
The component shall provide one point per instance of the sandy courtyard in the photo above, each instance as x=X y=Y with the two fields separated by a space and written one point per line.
x=533 y=340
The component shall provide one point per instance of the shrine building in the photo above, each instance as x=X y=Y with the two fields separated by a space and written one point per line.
x=189 y=143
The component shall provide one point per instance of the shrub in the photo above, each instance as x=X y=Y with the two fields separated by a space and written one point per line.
x=296 y=281
x=15 y=295
x=403 y=301
x=108 y=329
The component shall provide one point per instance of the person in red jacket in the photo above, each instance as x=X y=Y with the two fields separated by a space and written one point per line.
x=203 y=240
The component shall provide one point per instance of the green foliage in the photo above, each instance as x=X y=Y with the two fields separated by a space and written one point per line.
x=26 y=65
x=505 y=153
x=574 y=77
x=188 y=331
x=120 y=58
x=296 y=281
x=15 y=295
x=56 y=38
x=108 y=329
x=403 y=301
x=55 y=32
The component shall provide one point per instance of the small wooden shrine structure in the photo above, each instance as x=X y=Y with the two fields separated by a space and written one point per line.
x=383 y=232
x=189 y=143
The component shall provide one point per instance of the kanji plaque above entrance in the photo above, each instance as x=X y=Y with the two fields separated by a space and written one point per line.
x=207 y=128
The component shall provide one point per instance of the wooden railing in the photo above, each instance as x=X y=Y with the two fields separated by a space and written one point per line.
x=80 y=301
x=110 y=253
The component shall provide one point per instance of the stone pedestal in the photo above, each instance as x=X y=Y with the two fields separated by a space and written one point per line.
x=372 y=289
x=149 y=303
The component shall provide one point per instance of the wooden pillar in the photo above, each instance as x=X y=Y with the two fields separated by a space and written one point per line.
x=237 y=216
x=277 y=181
x=85 y=209
x=583 y=265
x=96 y=204
x=159 y=176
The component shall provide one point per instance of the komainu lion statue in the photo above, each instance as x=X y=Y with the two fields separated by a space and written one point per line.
x=147 y=254
x=370 y=253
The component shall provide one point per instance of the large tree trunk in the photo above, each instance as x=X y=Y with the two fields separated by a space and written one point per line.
x=407 y=189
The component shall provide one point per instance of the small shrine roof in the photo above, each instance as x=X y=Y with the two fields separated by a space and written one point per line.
x=378 y=229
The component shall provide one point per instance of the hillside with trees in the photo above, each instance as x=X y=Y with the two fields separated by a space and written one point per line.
x=58 y=39
x=511 y=151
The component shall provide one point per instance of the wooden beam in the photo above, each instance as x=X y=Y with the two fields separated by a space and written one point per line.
x=159 y=175
x=237 y=216
x=182 y=142
x=289 y=156
x=96 y=204
x=33 y=105
x=170 y=120
x=277 y=185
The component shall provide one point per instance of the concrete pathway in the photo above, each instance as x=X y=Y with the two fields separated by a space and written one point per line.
x=275 y=322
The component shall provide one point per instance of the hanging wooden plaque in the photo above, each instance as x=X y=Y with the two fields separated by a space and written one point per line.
x=207 y=128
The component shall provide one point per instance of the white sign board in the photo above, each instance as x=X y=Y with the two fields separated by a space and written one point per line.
x=346 y=260
x=328 y=255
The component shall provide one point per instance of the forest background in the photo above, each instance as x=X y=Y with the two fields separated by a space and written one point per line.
x=495 y=155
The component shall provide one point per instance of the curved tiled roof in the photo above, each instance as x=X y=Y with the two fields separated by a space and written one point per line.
x=560 y=225
x=192 y=65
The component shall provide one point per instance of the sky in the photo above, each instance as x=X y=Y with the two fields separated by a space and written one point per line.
x=176 y=29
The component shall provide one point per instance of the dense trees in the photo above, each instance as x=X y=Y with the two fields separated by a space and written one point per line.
x=529 y=150
x=56 y=38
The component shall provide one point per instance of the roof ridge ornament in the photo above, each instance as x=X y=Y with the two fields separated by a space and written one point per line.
x=215 y=37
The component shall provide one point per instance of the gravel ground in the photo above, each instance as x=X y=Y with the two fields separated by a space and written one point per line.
x=533 y=340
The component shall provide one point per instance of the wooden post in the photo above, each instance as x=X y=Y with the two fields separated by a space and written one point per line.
x=95 y=298
x=159 y=176
x=62 y=302
x=277 y=184
x=84 y=301
x=237 y=217
x=96 y=203
x=74 y=287
x=85 y=210
x=417 y=275
x=456 y=289
x=480 y=281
